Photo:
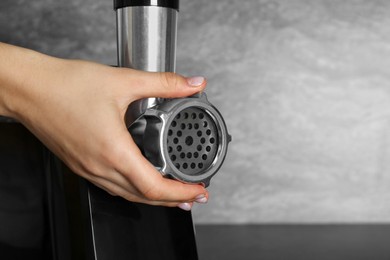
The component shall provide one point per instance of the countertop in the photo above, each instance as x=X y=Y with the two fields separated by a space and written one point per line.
x=293 y=242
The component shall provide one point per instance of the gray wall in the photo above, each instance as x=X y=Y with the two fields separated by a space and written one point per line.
x=304 y=86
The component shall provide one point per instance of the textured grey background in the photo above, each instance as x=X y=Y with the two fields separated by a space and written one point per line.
x=304 y=86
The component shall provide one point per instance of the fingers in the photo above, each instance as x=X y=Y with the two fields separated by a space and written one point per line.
x=128 y=193
x=155 y=187
x=162 y=84
x=116 y=190
x=149 y=183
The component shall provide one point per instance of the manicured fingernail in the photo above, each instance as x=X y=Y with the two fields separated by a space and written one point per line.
x=185 y=206
x=201 y=198
x=195 y=81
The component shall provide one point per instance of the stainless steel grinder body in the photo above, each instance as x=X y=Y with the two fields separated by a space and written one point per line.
x=185 y=138
x=146 y=41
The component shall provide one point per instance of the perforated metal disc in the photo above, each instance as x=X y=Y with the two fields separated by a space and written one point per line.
x=192 y=141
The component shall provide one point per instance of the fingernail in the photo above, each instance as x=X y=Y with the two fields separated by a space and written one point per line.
x=195 y=81
x=201 y=198
x=185 y=206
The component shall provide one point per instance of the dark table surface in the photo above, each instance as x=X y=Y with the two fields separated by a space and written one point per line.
x=293 y=242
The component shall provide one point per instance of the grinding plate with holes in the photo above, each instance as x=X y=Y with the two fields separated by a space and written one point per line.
x=192 y=141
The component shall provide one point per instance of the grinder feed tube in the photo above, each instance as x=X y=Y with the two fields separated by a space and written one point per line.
x=186 y=138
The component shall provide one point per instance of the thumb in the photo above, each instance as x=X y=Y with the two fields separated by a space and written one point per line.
x=164 y=85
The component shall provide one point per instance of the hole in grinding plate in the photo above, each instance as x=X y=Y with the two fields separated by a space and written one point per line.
x=189 y=140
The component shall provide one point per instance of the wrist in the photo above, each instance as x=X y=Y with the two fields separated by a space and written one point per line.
x=23 y=74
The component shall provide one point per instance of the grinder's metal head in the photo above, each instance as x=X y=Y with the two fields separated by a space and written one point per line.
x=186 y=139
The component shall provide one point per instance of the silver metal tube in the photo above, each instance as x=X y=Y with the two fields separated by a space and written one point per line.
x=147 y=38
x=146 y=41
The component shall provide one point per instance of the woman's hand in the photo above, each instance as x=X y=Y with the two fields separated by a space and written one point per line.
x=77 y=108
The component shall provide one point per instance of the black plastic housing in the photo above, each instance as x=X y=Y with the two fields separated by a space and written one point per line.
x=174 y=4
